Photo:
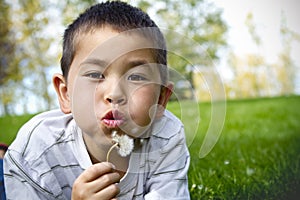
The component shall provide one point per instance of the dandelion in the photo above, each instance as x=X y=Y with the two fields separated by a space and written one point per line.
x=250 y=171
x=226 y=162
x=194 y=186
x=123 y=143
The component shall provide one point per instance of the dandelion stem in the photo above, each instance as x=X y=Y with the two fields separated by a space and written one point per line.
x=109 y=151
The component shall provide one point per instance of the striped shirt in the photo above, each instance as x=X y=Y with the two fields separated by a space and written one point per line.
x=48 y=154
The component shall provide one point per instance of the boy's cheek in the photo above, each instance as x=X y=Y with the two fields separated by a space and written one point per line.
x=83 y=103
x=143 y=106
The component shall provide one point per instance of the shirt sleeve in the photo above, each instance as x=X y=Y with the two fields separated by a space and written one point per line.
x=18 y=183
x=168 y=175
x=33 y=157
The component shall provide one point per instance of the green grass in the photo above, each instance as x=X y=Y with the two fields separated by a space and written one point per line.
x=10 y=126
x=256 y=157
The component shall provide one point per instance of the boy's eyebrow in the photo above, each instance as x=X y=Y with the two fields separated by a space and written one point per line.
x=135 y=63
x=103 y=63
x=95 y=61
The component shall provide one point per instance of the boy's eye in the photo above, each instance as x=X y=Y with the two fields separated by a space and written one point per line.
x=135 y=77
x=95 y=75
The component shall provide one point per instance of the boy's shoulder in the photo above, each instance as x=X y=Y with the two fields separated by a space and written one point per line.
x=166 y=148
x=40 y=132
x=167 y=126
x=53 y=121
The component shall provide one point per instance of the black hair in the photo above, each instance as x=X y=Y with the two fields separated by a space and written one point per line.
x=119 y=16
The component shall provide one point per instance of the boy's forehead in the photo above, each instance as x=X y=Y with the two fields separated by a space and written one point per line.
x=110 y=44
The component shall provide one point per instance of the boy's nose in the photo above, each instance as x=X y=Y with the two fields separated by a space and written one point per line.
x=116 y=100
x=115 y=92
x=116 y=96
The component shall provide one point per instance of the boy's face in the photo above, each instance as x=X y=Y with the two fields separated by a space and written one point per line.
x=113 y=84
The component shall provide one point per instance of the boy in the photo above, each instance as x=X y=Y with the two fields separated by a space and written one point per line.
x=114 y=81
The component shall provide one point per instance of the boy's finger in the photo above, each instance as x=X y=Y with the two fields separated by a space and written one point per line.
x=104 y=181
x=95 y=171
x=109 y=192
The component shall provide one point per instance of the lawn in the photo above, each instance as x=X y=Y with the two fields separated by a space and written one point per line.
x=10 y=126
x=256 y=157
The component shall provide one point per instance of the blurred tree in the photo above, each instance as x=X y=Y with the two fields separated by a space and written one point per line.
x=27 y=74
x=194 y=29
x=286 y=67
x=253 y=61
x=253 y=76
x=30 y=44
x=35 y=42
x=9 y=71
x=252 y=29
x=71 y=8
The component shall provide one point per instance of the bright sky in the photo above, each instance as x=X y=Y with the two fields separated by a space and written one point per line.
x=267 y=18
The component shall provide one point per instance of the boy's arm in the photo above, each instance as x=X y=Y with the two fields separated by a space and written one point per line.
x=18 y=184
x=97 y=181
x=168 y=176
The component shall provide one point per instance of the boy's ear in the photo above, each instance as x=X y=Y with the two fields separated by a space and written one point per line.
x=164 y=97
x=61 y=89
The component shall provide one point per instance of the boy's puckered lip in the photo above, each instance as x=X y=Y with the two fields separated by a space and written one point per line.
x=113 y=119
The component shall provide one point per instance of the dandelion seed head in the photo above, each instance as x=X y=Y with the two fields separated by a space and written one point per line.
x=125 y=143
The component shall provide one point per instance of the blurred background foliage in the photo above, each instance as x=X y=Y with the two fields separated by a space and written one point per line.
x=31 y=36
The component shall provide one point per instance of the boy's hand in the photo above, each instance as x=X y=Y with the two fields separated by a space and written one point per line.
x=97 y=182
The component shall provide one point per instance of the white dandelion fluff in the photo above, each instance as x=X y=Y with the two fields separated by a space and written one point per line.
x=123 y=143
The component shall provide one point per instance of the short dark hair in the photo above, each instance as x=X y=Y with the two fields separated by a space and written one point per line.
x=120 y=16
